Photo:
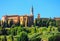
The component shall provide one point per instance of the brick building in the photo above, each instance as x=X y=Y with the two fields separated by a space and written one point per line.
x=26 y=20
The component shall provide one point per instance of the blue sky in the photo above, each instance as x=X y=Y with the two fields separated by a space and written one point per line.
x=46 y=8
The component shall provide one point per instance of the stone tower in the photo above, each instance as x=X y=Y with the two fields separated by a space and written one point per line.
x=38 y=16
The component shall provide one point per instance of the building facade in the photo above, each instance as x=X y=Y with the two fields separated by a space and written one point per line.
x=25 y=20
x=57 y=19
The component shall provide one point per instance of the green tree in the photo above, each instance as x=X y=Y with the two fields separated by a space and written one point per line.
x=23 y=36
x=44 y=23
x=58 y=23
x=0 y=22
x=59 y=28
x=55 y=38
x=38 y=22
x=51 y=22
x=1 y=30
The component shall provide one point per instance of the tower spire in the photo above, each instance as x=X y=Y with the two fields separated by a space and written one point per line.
x=31 y=10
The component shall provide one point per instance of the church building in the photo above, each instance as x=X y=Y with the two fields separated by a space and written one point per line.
x=26 y=20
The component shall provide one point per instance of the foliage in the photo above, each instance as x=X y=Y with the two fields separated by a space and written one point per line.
x=55 y=37
x=59 y=28
x=23 y=36
x=18 y=33
x=58 y=23
x=35 y=37
x=9 y=38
